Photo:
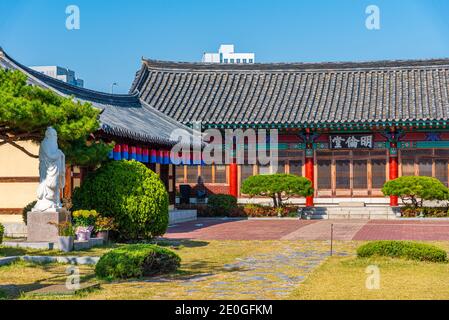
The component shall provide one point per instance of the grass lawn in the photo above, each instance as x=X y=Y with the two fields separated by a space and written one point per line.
x=248 y=270
x=345 y=279
x=209 y=270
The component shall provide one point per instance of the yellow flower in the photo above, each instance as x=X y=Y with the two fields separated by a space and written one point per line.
x=85 y=214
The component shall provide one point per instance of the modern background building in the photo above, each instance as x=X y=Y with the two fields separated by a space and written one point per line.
x=60 y=73
x=227 y=55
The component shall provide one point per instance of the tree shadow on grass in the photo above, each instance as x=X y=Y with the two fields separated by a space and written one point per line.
x=14 y=291
x=197 y=268
x=190 y=272
x=9 y=251
x=17 y=251
x=181 y=242
x=57 y=276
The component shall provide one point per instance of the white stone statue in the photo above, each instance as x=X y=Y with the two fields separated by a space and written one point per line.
x=51 y=173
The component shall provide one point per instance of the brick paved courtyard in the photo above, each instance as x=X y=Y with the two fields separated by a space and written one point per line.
x=228 y=229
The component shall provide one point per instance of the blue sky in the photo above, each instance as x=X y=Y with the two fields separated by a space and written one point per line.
x=114 y=35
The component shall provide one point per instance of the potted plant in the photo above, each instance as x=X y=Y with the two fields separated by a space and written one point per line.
x=102 y=226
x=66 y=233
x=84 y=221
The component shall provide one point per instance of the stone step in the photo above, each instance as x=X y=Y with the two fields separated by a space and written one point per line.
x=84 y=245
x=364 y=213
x=315 y=210
x=62 y=290
x=8 y=260
x=354 y=209
x=84 y=260
x=315 y=217
x=352 y=204
x=77 y=246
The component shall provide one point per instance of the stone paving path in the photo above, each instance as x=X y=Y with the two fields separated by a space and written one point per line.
x=231 y=229
x=271 y=275
x=322 y=230
x=418 y=230
x=281 y=229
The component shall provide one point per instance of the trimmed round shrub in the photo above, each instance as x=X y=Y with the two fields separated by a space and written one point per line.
x=403 y=249
x=278 y=187
x=27 y=209
x=130 y=193
x=414 y=190
x=2 y=232
x=222 y=204
x=136 y=261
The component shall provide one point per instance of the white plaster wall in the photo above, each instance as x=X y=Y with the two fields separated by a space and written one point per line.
x=17 y=195
x=15 y=163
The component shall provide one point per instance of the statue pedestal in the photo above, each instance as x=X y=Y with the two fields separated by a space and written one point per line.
x=39 y=228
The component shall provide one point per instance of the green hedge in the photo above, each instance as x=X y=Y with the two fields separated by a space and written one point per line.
x=130 y=193
x=2 y=232
x=258 y=210
x=427 y=212
x=27 y=209
x=403 y=249
x=221 y=205
x=136 y=261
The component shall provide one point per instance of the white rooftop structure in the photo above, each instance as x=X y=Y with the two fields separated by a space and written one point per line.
x=60 y=73
x=227 y=55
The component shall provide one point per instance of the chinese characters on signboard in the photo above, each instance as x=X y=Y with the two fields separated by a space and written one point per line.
x=351 y=141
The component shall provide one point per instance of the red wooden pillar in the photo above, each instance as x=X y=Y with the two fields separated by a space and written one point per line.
x=233 y=180
x=68 y=182
x=310 y=174
x=394 y=172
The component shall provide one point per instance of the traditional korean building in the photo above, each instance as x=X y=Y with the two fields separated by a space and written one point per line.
x=139 y=131
x=348 y=127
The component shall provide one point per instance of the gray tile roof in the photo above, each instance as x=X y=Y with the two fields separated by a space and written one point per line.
x=123 y=116
x=297 y=93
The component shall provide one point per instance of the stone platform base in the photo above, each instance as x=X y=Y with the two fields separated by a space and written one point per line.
x=77 y=245
x=178 y=216
x=30 y=245
x=14 y=225
x=15 y=229
x=39 y=228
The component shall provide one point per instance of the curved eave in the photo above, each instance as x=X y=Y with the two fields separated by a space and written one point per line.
x=366 y=125
x=147 y=139
x=143 y=138
x=167 y=66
